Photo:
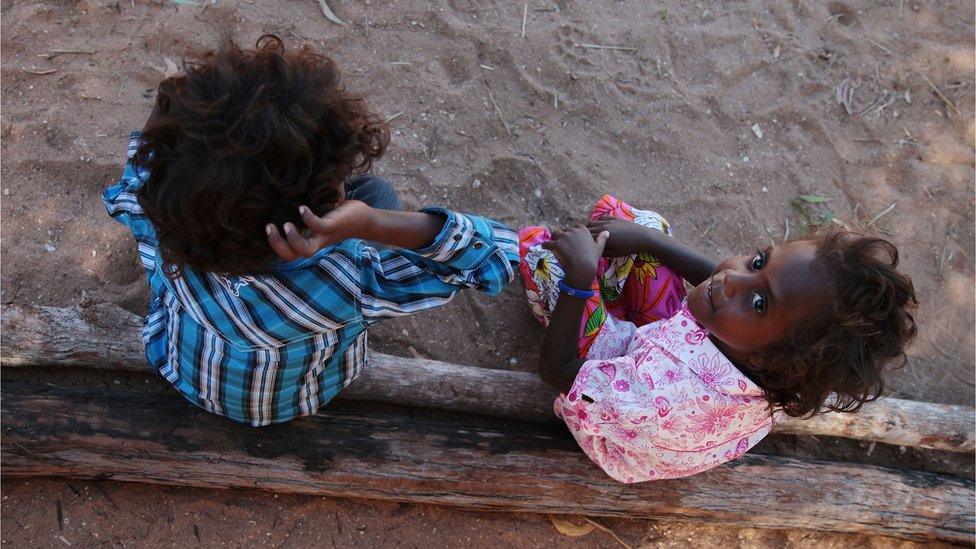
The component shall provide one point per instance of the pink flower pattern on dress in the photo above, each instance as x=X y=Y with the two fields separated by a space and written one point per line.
x=714 y=371
x=714 y=417
x=695 y=337
x=672 y=375
x=665 y=409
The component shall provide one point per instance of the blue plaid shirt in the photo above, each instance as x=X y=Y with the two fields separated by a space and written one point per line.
x=269 y=347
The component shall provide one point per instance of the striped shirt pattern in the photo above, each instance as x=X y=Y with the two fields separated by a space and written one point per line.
x=268 y=347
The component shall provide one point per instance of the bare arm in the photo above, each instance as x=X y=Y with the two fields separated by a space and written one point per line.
x=578 y=254
x=628 y=238
x=355 y=219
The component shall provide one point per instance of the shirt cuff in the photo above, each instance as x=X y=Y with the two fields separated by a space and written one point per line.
x=135 y=139
x=463 y=243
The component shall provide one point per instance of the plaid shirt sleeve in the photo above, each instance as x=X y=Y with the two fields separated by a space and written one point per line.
x=122 y=204
x=469 y=252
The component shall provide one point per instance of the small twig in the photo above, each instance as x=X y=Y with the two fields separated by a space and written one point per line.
x=121 y=86
x=431 y=147
x=886 y=210
x=39 y=72
x=555 y=100
x=942 y=255
x=786 y=235
x=602 y=47
x=708 y=230
x=938 y=93
x=393 y=117
x=401 y=64
x=525 y=16
x=866 y=140
x=609 y=531
x=329 y=14
x=55 y=53
x=877 y=45
x=486 y=67
x=501 y=117
x=901 y=5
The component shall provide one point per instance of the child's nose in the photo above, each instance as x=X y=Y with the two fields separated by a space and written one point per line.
x=734 y=282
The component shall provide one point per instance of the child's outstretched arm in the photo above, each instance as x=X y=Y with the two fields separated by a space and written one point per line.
x=579 y=255
x=628 y=238
x=355 y=219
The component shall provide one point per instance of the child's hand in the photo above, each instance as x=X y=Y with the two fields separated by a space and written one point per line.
x=351 y=219
x=578 y=254
x=626 y=237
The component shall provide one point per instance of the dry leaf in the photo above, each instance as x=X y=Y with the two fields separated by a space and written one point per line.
x=844 y=94
x=567 y=528
x=171 y=68
x=776 y=51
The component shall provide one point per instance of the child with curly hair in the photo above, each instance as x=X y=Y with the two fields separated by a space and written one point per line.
x=246 y=142
x=661 y=383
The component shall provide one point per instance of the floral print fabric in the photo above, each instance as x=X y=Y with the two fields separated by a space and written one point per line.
x=656 y=399
x=671 y=406
x=636 y=288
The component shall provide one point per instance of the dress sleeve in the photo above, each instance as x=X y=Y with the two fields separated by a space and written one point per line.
x=469 y=252
x=610 y=414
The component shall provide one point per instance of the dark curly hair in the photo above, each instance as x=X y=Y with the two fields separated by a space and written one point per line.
x=242 y=139
x=837 y=362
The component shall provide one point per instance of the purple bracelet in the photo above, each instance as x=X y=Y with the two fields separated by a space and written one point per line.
x=573 y=292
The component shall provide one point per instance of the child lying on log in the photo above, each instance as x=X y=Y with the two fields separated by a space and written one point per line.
x=246 y=142
x=659 y=384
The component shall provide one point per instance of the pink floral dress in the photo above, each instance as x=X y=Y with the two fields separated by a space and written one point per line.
x=671 y=405
x=656 y=399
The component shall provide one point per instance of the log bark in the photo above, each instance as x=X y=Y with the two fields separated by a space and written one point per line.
x=105 y=336
x=130 y=435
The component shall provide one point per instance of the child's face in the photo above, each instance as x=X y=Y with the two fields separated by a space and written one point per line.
x=752 y=302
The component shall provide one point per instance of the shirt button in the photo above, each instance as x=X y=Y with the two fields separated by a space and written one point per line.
x=478 y=244
x=457 y=238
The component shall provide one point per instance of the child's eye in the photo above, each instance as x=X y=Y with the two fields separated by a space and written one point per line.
x=759 y=302
x=758 y=261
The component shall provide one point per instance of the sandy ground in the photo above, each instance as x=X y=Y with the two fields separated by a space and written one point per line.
x=526 y=129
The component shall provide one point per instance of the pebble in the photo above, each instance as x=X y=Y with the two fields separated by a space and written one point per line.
x=513 y=361
x=6 y=192
x=537 y=193
x=48 y=247
x=476 y=184
x=765 y=190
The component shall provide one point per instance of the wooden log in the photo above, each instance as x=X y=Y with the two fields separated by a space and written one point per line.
x=132 y=435
x=105 y=336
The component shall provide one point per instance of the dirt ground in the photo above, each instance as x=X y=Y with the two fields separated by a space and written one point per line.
x=528 y=127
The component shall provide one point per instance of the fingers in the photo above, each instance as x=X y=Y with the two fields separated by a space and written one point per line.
x=278 y=244
x=601 y=241
x=312 y=221
x=301 y=245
